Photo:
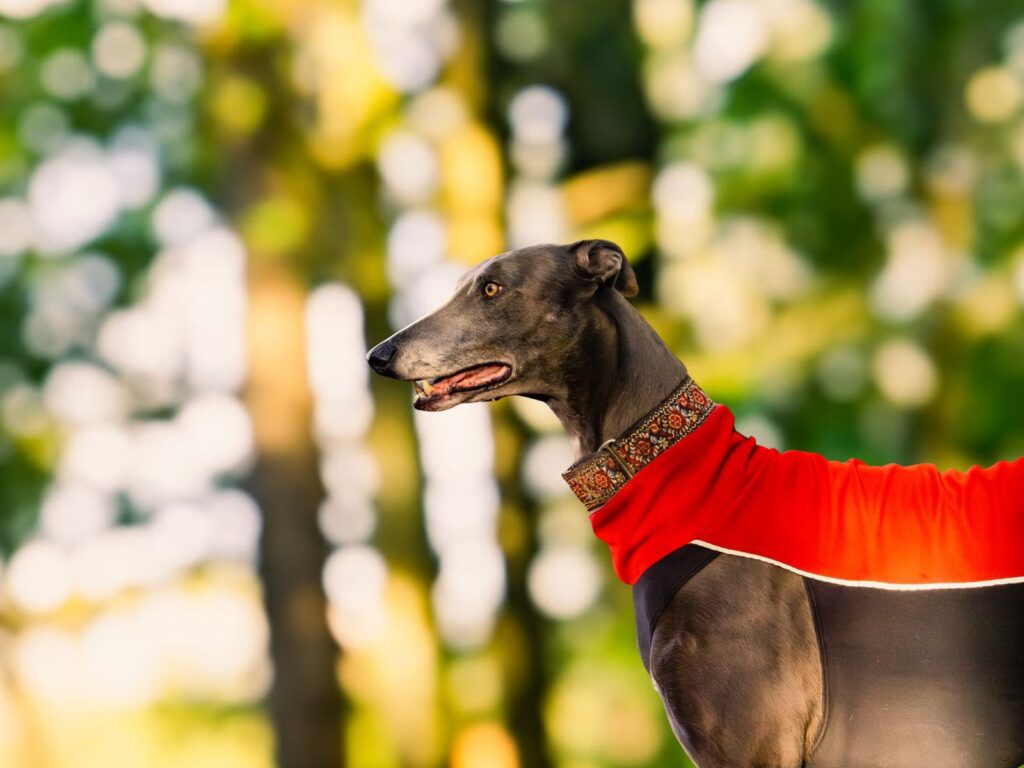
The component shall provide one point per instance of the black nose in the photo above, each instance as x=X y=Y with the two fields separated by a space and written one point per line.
x=381 y=355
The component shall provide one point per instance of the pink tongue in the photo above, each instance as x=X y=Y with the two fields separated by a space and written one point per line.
x=475 y=377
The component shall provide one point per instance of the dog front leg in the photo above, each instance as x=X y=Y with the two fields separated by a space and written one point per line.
x=736 y=663
x=713 y=739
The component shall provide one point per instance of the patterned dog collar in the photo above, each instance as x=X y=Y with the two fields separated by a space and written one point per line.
x=596 y=479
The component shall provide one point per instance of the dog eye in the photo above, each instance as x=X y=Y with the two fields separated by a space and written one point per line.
x=492 y=289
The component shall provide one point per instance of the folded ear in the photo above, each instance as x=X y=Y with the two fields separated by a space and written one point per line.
x=603 y=262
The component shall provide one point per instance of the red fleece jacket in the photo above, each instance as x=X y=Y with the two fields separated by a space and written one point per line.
x=889 y=525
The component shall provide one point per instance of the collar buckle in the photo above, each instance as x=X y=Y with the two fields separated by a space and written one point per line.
x=595 y=481
x=607 y=446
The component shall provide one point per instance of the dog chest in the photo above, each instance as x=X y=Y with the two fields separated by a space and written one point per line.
x=912 y=677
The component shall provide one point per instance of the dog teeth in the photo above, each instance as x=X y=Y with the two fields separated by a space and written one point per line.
x=425 y=386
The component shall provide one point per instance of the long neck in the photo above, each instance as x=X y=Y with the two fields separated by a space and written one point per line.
x=627 y=372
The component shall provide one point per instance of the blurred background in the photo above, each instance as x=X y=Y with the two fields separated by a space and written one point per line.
x=224 y=545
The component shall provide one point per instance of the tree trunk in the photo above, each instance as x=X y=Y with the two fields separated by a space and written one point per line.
x=305 y=701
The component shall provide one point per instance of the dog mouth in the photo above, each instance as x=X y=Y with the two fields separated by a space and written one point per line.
x=438 y=393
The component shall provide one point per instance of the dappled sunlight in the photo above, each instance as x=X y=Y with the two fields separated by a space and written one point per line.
x=598 y=712
x=103 y=736
x=206 y=641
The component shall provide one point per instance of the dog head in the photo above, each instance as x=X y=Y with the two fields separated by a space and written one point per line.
x=516 y=325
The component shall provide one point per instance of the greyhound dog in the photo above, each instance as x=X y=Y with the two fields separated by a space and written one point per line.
x=754 y=661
